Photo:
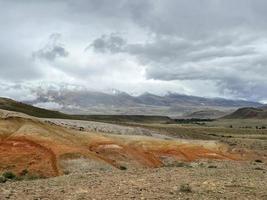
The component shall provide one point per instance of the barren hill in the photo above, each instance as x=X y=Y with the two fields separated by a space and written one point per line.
x=42 y=147
x=248 y=113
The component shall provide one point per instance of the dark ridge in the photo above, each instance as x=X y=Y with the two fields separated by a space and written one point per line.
x=248 y=113
x=11 y=105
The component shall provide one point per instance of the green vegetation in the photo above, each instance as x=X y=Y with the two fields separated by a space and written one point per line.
x=192 y=121
x=123 y=168
x=23 y=175
x=9 y=175
x=126 y=118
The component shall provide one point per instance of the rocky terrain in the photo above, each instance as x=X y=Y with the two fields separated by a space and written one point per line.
x=197 y=180
x=74 y=159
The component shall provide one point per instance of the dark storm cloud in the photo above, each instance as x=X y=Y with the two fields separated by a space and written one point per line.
x=52 y=50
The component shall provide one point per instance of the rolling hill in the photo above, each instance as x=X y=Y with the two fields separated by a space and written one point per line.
x=206 y=114
x=11 y=105
x=248 y=113
x=44 y=148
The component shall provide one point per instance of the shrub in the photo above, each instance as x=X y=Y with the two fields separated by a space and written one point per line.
x=212 y=166
x=123 y=167
x=185 y=187
x=258 y=161
x=9 y=175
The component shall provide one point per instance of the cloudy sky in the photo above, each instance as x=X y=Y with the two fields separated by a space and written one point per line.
x=212 y=48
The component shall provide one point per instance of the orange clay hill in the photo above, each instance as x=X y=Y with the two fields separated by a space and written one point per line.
x=27 y=143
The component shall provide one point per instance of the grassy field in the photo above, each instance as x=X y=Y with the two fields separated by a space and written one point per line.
x=238 y=123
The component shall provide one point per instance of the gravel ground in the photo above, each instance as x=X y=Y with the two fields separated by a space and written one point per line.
x=105 y=128
x=198 y=180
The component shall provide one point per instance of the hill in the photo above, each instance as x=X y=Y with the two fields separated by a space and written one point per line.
x=206 y=114
x=248 y=113
x=46 y=149
x=11 y=105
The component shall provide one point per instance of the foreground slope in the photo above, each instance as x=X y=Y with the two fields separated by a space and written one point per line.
x=41 y=147
x=153 y=165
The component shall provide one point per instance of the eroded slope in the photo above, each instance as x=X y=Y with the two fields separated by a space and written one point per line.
x=41 y=148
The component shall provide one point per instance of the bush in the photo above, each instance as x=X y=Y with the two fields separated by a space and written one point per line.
x=9 y=175
x=259 y=161
x=123 y=167
x=212 y=166
x=185 y=188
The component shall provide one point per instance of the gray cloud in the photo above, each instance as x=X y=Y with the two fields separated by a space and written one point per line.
x=108 y=43
x=186 y=41
x=52 y=50
x=228 y=61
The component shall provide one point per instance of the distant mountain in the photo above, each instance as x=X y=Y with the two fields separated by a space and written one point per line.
x=92 y=102
x=248 y=113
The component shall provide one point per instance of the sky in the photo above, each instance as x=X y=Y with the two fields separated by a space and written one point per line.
x=210 y=48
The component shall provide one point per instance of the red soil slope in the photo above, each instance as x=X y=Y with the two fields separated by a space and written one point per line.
x=38 y=147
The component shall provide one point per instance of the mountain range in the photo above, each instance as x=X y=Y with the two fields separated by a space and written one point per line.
x=92 y=102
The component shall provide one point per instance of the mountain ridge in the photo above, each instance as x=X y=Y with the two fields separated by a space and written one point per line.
x=93 y=102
